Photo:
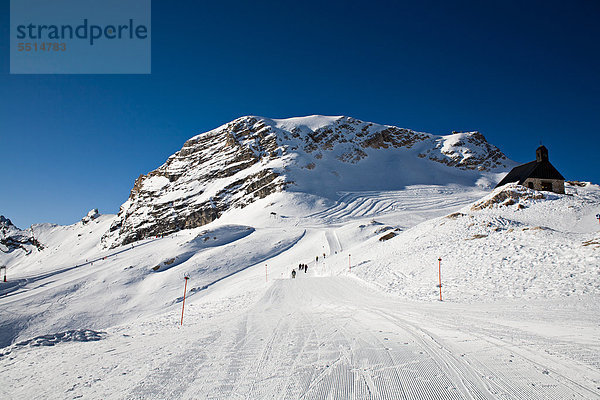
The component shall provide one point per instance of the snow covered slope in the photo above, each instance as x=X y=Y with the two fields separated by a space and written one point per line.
x=536 y=245
x=318 y=338
x=85 y=286
x=252 y=157
x=515 y=242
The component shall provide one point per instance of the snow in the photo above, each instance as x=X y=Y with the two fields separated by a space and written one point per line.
x=520 y=282
x=316 y=338
x=312 y=122
x=111 y=329
x=156 y=182
x=532 y=249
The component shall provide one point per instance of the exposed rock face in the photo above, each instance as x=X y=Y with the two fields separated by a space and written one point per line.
x=509 y=195
x=467 y=150
x=221 y=169
x=252 y=157
x=91 y=215
x=12 y=238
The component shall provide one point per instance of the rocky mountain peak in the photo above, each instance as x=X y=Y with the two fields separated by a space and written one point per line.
x=251 y=157
x=13 y=238
x=90 y=216
x=5 y=222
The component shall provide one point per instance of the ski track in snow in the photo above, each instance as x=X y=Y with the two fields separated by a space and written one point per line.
x=333 y=242
x=422 y=200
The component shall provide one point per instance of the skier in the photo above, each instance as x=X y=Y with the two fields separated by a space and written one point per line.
x=293 y=273
x=305 y=268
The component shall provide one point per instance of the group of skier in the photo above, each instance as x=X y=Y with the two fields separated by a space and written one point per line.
x=301 y=267
x=304 y=267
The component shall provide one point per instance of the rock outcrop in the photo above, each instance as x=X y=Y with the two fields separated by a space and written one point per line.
x=13 y=238
x=91 y=215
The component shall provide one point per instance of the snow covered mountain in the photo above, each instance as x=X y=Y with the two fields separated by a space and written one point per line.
x=94 y=309
x=252 y=157
x=13 y=238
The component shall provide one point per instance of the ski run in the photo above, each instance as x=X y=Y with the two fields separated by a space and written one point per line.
x=519 y=320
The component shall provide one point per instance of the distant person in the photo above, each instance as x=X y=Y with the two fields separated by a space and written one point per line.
x=317 y=258
x=305 y=268
x=293 y=273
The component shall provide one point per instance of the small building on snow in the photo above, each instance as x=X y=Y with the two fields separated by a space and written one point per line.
x=538 y=174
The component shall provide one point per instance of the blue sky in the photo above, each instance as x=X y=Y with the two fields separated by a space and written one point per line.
x=519 y=72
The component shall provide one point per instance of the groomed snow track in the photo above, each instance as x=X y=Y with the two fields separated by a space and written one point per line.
x=332 y=338
x=425 y=201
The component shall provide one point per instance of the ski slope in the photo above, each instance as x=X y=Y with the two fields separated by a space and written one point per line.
x=323 y=337
x=79 y=321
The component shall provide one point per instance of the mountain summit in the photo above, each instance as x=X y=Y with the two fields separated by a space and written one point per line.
x=12 y=238
x=251 y=157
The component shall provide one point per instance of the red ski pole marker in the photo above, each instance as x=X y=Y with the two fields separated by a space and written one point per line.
x=184 y=290
x=440 y=275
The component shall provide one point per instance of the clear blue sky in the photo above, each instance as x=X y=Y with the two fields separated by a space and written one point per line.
x=518 y=71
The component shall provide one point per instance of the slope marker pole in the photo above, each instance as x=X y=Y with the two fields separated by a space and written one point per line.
x=349 y=264
x=184 y=290
x=266 y=274
x=440 y=275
